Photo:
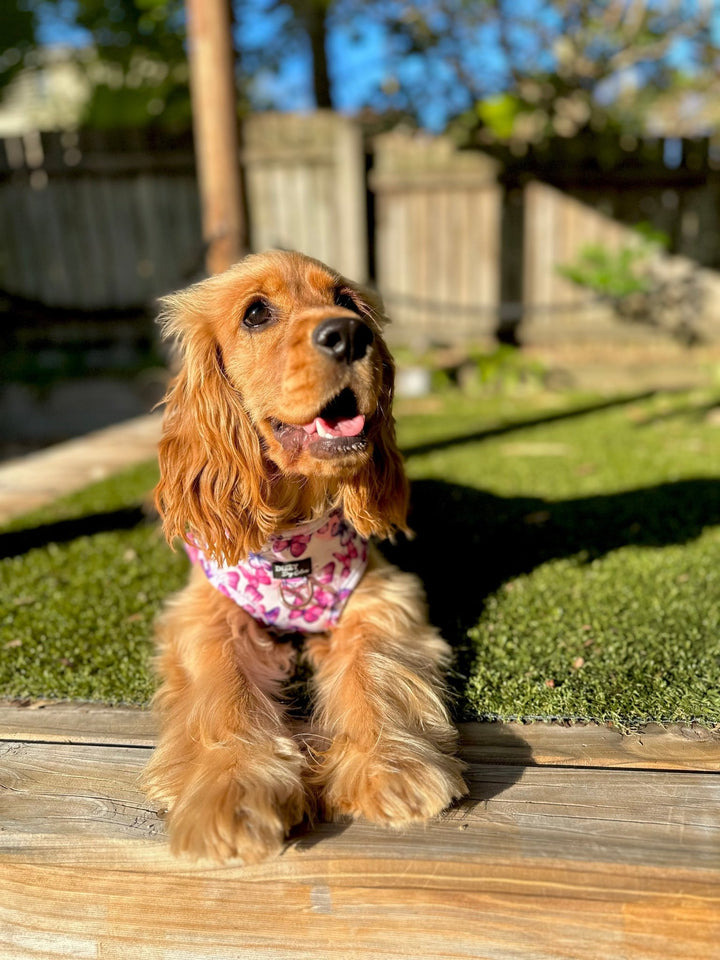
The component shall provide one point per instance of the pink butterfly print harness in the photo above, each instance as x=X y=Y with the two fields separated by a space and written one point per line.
x=300 y=581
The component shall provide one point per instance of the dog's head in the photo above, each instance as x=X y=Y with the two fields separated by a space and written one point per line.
x=281 y=408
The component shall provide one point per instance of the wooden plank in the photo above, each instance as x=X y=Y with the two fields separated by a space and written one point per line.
x=591 y=745
x=328 y=214
x=304 y=207
x=349 y=215
x=78 y=723
x=306 y=190
x=563 y=912
x=81 y=791
x=542 y=863
x=86 y=196
x=428 y=198
x=689 y=748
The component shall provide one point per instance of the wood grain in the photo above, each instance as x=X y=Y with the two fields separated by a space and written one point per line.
x=86 y=791
x=305 y=184
x=652 y=747
x=544 y=912
x=69 y=722
x=543 y=862
x=437 y=237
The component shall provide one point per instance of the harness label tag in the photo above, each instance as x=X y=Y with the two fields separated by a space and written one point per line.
x=292 y=569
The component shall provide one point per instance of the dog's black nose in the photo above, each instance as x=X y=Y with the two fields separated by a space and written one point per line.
x=346 y=339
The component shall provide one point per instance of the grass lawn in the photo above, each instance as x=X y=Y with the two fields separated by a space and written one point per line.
x=570 y=547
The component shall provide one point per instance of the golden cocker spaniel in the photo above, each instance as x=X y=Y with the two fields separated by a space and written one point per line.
x=278 y=464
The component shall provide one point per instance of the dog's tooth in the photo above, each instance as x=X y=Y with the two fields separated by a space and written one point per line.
x=322 y=429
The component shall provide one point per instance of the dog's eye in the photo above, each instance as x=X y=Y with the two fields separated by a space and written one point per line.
x=257 y=314
x=344 y=300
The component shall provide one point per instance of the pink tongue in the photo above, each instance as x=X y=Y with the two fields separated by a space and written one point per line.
x=337 y=428
x=346 y=428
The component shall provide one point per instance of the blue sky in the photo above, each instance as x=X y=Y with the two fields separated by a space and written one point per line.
x=361 y=58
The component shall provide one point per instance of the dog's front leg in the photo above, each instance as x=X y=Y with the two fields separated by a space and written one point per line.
x=389 y=745
x=225 y=768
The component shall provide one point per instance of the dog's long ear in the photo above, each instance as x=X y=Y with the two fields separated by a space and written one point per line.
x=214 y=484
x=376 y=501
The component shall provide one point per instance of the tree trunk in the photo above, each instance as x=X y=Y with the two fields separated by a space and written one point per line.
x=215 y=127
x=315 y=16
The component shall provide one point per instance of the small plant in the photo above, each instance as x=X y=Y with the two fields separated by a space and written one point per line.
x=471 y=368
x=505 y=369
x=616 y=274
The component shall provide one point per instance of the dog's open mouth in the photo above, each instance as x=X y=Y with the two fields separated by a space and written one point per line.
x=338 y=429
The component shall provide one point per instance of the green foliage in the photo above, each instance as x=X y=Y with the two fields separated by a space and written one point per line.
x=476 y=370
x=165 y=102
x=610 y=273
x=141 y=43
x=553 y=62
x=640 y=288
x=499 y=114
x=121 y=29
x=565 y=70
x=615 y=274
x=17 y=29
x=135 y=61
x=504 y=369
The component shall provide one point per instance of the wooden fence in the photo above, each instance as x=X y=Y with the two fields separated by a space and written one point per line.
x=95 y=222
x=465 y=250
x=577 y=209
x=556 y=229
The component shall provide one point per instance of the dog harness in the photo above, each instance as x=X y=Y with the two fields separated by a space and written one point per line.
x=300 y=581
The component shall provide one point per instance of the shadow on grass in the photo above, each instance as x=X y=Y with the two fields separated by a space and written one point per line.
x=469 y=542
x=16 y=542
x=445 y=443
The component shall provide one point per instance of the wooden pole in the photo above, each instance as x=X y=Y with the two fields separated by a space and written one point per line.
x=215 y=126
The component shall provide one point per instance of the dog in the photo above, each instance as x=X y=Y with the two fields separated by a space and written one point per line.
x=278 y=464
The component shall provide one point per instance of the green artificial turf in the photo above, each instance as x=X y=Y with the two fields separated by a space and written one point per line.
x=569 y=547
x=76 y=612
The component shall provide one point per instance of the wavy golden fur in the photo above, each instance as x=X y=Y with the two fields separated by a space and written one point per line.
x=265 y=348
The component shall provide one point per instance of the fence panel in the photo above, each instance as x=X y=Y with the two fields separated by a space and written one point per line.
x=94 y=227
x=438 y=214
x=305 y=184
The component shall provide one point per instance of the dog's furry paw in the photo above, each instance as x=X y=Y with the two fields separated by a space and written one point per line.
x=238 y=803
x=228 y=819
x=390 y=784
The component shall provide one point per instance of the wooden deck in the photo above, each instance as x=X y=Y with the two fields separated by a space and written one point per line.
x=576 y=842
